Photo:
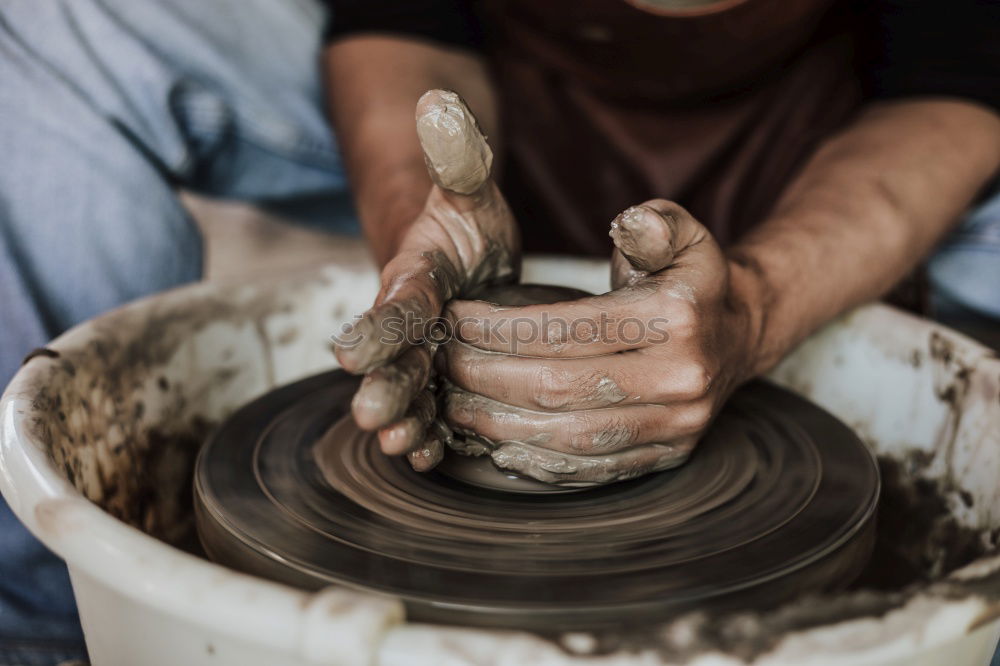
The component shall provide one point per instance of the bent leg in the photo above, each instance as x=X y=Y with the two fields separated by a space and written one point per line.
x=225 y=96
x=87 y=221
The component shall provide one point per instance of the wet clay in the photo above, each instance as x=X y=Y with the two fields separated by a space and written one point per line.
x=549 y=467
x=645 y=237
x=918 y=539
x=531 y=457
x=457 y=155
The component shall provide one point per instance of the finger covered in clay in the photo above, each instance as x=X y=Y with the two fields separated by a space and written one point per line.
x=386 y=392
x=457 y=155
x=576 y=470
x=591 y=432
x=409 y=432
x=426 y=456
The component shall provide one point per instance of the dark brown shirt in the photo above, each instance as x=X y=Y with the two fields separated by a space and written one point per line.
x=607 y=103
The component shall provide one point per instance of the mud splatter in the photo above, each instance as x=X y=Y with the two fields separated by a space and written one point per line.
x=123 y=433
x=918 y=539
x=918 y=543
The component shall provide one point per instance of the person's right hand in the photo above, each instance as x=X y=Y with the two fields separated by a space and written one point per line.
x=464 y=238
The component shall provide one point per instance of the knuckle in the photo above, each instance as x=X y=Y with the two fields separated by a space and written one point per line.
x=682 y=315
x=559 y=391
x=697 y=416
x=693 y=381
x=605 y=388
x=553 y=389
x=598 y=436
x=423 y=262
x=581 y=434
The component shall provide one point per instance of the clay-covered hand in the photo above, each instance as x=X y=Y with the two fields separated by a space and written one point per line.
x=465 y=237
x=613 y=386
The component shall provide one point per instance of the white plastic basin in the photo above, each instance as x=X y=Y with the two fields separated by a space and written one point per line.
x=97 y=439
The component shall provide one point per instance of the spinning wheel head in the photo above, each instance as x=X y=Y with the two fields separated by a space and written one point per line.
x=777 y=501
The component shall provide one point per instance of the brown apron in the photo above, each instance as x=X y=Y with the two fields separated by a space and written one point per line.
x=606 y=104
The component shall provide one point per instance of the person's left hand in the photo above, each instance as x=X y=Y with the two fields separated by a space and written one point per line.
x=613 y=386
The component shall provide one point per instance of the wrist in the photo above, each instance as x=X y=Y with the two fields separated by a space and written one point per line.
x=389 y=209
x=753 y=299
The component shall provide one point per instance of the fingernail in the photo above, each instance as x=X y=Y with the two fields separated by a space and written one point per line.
x=398 y=438
x=427 y=456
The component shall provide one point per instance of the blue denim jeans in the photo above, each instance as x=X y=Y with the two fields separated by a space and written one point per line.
x=966 y=268
x=107 y=107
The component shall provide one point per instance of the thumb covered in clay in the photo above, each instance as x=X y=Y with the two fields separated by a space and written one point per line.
x=422 y=276
x=657 y=235
x=458 y=157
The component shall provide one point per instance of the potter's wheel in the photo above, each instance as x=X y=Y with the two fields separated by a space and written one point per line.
x=777 y=501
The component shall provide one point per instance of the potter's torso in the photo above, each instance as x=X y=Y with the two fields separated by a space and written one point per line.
x=655 y=49
x=715 y=104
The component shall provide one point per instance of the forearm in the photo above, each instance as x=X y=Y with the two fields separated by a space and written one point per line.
x=867 y=207
x=373 y=83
